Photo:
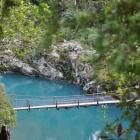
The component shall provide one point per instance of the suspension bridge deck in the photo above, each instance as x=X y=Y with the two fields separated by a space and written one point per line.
x=40 y=102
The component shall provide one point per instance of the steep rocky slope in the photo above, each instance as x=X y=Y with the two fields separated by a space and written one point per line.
x=67 y=61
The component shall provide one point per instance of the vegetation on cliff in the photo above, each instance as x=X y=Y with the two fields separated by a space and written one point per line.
x=111 y=27
x=7 y=114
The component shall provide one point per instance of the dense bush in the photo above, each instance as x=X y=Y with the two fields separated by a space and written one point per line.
x=68 y=19
x=119 y=50
x=7 y=114
x=83 y=19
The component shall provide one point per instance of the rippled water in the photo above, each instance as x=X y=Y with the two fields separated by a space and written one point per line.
x=52 y=124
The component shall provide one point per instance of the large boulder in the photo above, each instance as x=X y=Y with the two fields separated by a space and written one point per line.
x=20 y=66
x=49 y=72
x=90 y=87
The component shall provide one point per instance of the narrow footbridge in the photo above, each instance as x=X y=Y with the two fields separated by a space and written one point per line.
x=42 y=102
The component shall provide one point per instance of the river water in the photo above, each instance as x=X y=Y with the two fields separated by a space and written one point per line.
x=52 y=124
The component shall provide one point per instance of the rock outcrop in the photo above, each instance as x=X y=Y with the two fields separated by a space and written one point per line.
x=67 y=61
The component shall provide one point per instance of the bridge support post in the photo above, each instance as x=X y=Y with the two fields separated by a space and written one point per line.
x=97 y=102
x=28 y=105
x=57 y=106
x=78 y=104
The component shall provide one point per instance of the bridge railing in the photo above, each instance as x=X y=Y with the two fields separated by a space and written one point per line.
x=56 y=100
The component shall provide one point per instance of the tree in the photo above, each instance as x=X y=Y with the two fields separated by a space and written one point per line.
x=27 y=21
x=118 y=45
x=4 y=10
x=23 y=24
x=7 y=114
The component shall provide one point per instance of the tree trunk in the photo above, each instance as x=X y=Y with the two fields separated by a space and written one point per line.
x=4 y=134
x=77 y=3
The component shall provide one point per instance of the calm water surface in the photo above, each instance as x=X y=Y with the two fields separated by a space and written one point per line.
x=52 y=124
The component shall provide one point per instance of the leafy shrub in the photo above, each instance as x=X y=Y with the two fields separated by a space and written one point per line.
x=87 y=36
x=4 y=68
x=7 y=114
x=86 y=59
x=67 y=33
x=68 y=19
x=21 y=53
x=74 y=19
x=83 y=19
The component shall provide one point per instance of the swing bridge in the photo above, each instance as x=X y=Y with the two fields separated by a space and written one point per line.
x=25 y=102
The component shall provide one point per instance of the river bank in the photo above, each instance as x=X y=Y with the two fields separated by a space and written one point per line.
x=68 y=61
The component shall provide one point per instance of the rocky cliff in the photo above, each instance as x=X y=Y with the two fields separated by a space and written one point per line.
x=68 y=61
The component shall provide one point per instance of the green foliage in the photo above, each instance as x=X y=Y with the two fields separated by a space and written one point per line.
x=26 y=21
x=88 y=36
x=5 y=5
x=65 y=64
x=45 y=43
x=21 y=53
x=112 y=27
x=118 y=47
x=77 y=19
x=24 y=24
x=86 y=59
x=52 y=26
x=68 y=22
x=81 y=24
x=4 y=67
x=7 y=114
x=68 y=19
x=120 y=36
x=83 y=19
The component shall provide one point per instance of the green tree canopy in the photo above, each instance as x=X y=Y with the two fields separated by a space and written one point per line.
x=118 y=46
x=26 y=21
x=23 y=24
x=7 y=114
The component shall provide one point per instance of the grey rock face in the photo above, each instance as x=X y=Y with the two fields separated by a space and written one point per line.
x=90 y=87
x=66 y=61
x=20 y=66
x=50 y=72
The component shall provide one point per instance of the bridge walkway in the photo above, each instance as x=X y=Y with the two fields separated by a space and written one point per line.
x=40 y=102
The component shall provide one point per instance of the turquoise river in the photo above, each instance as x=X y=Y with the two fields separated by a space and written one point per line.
x=52 y=124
